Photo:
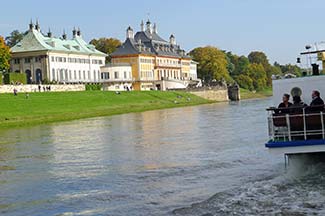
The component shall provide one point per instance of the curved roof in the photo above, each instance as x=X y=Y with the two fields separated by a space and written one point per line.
x=34 y=40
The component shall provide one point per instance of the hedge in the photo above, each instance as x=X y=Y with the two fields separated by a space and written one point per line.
x=13 y=78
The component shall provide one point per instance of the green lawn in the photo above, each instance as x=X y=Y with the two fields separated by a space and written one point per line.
x=48 y=107
x=246 y=94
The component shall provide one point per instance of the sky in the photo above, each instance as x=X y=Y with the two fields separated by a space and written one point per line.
x=279 y=28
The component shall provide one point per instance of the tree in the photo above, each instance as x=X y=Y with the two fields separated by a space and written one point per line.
x=106 y=45
x=212 y=63
x=4 y=55
x=14 y=38
x=258 y=74
x=242 y=63
x=289 y=68
x=258 y=58
x=245 y=82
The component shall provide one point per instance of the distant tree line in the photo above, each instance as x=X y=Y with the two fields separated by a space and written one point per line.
x=253 y=72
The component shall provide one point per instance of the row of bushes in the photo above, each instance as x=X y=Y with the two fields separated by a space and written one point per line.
x=94 y=87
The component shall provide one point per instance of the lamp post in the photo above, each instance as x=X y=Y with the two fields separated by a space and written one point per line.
x=308 y=57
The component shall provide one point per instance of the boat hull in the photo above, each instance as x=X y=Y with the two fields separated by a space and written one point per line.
x=296 y=147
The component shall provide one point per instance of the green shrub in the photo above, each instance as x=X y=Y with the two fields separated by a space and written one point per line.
x=93 y=87
x=13 y=78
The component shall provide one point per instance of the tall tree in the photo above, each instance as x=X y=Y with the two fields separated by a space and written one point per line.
x=258 y=58
x=242 y=63
x=14 y=37
x=4 y=55
x=212 y=63
x=106 y=45
x=258 y=75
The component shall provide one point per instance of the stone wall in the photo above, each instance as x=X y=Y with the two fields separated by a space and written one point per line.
x=211 y=93
x=34 y=88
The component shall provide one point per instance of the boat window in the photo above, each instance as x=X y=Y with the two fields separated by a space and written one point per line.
x=296 y=91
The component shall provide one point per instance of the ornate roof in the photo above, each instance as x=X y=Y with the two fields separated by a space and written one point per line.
x=34 y=40
x=149 y=42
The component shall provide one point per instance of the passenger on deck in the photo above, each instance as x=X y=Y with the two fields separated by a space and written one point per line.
x=285 y=101
x=317 y=104
x=284 y=104
x=316 y=99
x=297 y=102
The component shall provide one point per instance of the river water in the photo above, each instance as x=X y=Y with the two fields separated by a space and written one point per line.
x=202 y=160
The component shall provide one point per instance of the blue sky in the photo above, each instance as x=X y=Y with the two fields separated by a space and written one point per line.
x=280 y=28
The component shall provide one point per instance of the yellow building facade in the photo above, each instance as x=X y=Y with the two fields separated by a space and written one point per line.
x=157 y=64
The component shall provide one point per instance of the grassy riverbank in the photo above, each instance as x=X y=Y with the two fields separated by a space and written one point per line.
x=46 y=107
x=246 y=94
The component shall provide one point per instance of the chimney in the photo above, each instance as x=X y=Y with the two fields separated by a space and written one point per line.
x=129 y=33
x=31 y=25
x=78 y=32
x=172 y=40
x=64 y=35
x=74 y=32
x=37 y=26
x=148 y=24
x=49 y=33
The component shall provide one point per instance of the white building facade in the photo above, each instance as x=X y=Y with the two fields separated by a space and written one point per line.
x=46 y=58
x=117 y=77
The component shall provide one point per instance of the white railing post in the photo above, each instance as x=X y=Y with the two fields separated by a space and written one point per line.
x=272 y=126
x=288 y=125
x=322 y=120
x=304 y=118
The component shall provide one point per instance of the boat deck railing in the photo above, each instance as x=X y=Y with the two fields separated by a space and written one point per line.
x=303 y=123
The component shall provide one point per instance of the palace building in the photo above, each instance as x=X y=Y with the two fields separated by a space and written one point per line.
x=155 y=63
x=45 y=57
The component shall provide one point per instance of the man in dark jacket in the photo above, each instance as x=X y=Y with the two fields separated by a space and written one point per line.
x=317 y=104
x=316 y=99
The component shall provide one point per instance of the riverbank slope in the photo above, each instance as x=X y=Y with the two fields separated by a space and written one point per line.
x=246 y=94
x=46 y=107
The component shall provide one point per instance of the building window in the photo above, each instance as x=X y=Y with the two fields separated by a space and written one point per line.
x=89 y=77
x=84 y=75
x=75 y=74
x=105 y=75
x=125 y=75
x=80 y=75
x=27 y=60
x=16 y=61
x=52 y=59
x=37 y=59
x=115 y=75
